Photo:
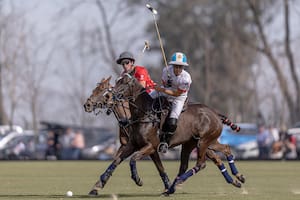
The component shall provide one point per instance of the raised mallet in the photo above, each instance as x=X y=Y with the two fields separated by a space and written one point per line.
x=146 y=46
x=154 y=12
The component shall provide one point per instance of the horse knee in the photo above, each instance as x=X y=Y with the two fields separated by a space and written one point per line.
x=227 y=150
x=214 y=157
x=201 y=165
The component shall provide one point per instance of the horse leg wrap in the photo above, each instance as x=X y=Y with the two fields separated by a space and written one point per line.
x=230 y=160
x=188 y=174
x=182 y=178
x=134 y=174
x=105 y=176
x=133 y=170
x=225 y=173
x=165 y=179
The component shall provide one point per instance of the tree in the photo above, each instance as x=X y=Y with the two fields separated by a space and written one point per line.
x=96 y=42
x=10 y=41
x=24 y=63
x=261 y=17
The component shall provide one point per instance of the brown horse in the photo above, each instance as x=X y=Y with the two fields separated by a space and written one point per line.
x=199 y=126
x=94 y=102
x=188 y=146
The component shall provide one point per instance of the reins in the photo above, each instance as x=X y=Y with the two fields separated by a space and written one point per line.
x=150 y=117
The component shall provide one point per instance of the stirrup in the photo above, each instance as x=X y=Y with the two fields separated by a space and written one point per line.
x=163 y=147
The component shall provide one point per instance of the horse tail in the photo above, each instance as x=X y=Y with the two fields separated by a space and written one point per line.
x=227 y=122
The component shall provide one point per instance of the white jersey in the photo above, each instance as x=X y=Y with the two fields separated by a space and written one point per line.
x=181 y=82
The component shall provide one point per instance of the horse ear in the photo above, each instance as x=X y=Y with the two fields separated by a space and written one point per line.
x=103 y=79
x=108 y=79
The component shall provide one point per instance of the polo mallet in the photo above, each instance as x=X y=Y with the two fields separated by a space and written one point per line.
x=154 y=12
x=146 y=46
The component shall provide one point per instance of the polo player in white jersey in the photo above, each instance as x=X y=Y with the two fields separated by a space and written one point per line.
x=176 y=84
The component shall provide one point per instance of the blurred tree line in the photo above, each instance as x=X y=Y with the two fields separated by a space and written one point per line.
x=225 y=42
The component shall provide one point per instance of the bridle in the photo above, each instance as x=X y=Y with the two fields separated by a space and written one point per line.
x=113 y=99
x=125 y=90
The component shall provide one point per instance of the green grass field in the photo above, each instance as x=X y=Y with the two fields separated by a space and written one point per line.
x=51 y=180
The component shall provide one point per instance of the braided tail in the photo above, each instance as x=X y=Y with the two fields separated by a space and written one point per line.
x=226 y=121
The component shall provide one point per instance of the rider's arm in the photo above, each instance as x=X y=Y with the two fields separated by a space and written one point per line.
x=141 y=74
x=170 y=92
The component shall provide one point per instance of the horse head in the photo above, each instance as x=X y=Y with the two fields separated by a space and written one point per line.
x=127 y=87
x=99 y=96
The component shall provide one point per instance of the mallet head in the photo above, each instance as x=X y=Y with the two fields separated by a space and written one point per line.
x=151 y=9
x=147 y=44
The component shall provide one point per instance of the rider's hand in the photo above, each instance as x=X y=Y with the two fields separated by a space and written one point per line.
x=169 y=83
x=158 y=88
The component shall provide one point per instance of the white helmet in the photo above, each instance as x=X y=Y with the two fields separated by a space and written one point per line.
x=179 y=58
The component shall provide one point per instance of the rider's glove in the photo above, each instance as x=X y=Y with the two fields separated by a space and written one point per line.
x=169 y=83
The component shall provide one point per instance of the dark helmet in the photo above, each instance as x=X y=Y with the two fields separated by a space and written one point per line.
x=125 y=55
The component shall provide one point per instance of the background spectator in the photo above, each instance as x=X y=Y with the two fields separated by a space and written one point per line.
x=264 y=141
x=290 y=147
x=66 y=144
x=51 y=146
x=78 y=144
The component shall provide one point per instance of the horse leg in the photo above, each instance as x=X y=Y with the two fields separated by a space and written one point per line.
x=225 y=149
x=218 y=162
x=128 y=150
x=199 y=165
x=164 y=177
x=186 y=150
x=134 y=174
x=149 y=150
x=132 y=164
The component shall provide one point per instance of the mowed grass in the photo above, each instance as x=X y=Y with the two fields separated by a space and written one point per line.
x=51 y=180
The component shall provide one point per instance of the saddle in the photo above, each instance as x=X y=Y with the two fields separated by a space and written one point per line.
x=163 y=108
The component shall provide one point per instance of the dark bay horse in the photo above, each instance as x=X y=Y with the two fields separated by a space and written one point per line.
x=199 y=126
x=190 y=144
x=93 y=103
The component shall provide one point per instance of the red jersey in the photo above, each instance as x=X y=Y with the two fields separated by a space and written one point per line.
x=141 y=74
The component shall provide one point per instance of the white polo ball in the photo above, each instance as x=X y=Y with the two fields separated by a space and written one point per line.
x=69 y=194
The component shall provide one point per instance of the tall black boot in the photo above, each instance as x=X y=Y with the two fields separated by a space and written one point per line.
x=168 y=130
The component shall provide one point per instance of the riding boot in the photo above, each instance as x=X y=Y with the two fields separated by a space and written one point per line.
x=168 y=130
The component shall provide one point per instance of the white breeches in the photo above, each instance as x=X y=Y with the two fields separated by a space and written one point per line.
x=177 y=103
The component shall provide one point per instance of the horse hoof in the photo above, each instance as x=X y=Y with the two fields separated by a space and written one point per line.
x=93 y=193
x=166 y=194
x=236 y=184
x=171 y=190
x=241 y=178
x=139 y=182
